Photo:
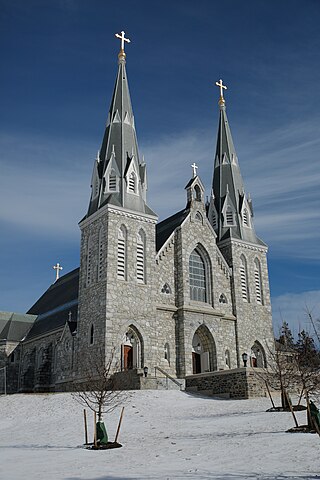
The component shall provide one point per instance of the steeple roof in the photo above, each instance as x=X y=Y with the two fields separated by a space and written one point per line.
x=230 y=209
x=119 y=175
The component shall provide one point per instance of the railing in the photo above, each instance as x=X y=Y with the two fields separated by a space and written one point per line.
x=167 y=376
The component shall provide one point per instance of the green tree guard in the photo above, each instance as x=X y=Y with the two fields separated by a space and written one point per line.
x=102 y=436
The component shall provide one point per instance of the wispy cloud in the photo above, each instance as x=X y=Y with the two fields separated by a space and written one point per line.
x=43 y=185
x=292 y=308
x=45 y=182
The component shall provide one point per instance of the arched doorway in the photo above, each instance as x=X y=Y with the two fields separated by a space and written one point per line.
x=257 y=356
x=132 y=349
x=204 y=357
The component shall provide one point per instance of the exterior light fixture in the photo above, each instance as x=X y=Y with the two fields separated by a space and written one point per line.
x=245 y=359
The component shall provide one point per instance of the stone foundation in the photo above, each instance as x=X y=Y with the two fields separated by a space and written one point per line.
x=238 y=383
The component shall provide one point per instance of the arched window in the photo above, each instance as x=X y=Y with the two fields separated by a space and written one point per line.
x=122 y=253
x=89 y=262
x=198 y=217
x=245 y=217
x=40 y=357
x=132 y=183
x=141 y=240
x=227 y=358
x=167 y=352
x=100 y=254
x=257 y=281
x=197 y=277
x=244 y=279
x=197 y=193
x=91 y=339
x=112 y=181
x=229 y=216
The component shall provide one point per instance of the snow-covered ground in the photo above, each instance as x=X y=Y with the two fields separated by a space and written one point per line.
x=165 y=435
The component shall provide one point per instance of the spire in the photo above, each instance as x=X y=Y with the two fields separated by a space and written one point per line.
x=230 y=210
x=119 y=176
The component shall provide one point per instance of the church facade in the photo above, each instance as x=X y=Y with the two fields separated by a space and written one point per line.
x=186 y=297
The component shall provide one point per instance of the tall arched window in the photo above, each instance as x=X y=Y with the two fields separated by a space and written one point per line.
x=91 y=339
x=167 y=352
x=100 y=254
x=112 y=181
x=141 y=240
x=89 y=262
x=197 y=277
x=257 y=281
x=132 y=183
x=197 y=193
x=244 y=279
x=122 y=253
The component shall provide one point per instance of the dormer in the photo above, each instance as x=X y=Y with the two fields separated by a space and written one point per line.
x=111 y=175
x=228 y=211
x=132 y=177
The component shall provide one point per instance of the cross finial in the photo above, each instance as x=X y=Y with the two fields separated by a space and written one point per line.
x=194 y=169
x=123 y=39
x=57 y=268
x=221 y=86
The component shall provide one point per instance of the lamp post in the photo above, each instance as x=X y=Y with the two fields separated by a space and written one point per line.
x=145 y=371
x=244 y=359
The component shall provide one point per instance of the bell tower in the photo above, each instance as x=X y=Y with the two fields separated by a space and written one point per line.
x=117 y=241
x=230 y=213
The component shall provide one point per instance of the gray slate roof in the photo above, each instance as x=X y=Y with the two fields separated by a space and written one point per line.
x=119 y=152
x=54 y=305
x=165 y=228
x=15 y=326
x=228 y=186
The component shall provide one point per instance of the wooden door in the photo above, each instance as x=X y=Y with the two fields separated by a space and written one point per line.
x=127 y=357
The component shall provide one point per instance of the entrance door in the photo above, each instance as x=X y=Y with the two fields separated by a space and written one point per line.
x=196 y=362
x=127 y=357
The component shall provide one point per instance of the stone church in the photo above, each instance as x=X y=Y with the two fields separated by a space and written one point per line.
x=186 y=297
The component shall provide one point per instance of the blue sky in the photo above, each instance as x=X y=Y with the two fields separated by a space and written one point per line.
x=58 y=67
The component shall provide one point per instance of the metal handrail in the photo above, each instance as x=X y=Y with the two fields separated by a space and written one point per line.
x=167 y=376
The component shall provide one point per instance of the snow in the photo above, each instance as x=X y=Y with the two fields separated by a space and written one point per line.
x=165 y=435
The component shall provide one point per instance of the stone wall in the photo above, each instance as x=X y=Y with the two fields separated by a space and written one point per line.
x=239 y=383
x=254 y=320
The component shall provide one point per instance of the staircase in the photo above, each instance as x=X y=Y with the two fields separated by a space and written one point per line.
x=161 y=381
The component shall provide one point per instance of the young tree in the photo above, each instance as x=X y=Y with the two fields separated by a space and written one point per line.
x=100 y=389
x=307 y=368
x=280 y=366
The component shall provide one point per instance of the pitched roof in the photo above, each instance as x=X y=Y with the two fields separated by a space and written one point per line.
x=59 y=293
x=54 y=305
x=14 y=326
x=165 y=228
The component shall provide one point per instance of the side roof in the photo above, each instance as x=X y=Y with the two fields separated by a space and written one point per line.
x=165 y=228
x=15 y=326
x=54 y=307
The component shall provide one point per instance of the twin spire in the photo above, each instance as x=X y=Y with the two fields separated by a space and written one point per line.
x=119 y=175
x=230 y=209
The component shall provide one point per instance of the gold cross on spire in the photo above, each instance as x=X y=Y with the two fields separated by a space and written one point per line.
x=221 y=86
x=123 y=39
